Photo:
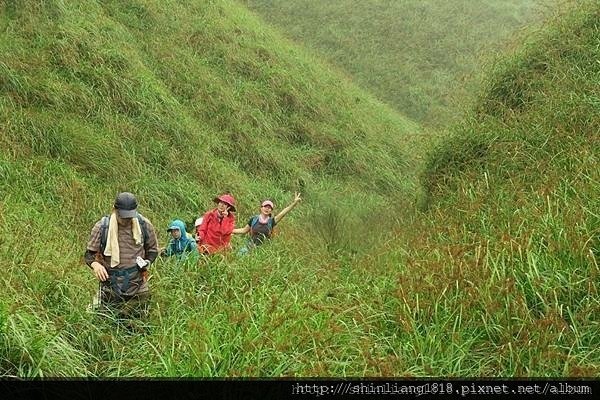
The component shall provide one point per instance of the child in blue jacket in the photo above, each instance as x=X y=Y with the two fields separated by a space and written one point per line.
x=181 y=244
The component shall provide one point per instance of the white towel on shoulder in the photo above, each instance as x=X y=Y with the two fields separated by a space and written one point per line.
x=112 y=240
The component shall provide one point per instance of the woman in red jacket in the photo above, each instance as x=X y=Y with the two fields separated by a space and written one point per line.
x=214 y=233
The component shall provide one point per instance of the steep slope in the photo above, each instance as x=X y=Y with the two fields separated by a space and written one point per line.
x=176 y=101
x=505 y=259
x=420 y=56
x=175 y=106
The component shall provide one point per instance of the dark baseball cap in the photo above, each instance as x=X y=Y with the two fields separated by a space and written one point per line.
x=126 y=205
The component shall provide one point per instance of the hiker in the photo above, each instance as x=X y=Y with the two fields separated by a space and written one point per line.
x=261 y=226
x=182 y=244
x=197 y=223
x=120 y=249
x=214 y=233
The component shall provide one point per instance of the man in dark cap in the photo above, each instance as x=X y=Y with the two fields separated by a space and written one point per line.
x=120 y=249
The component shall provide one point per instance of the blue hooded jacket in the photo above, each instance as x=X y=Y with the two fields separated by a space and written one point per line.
x=184 y=246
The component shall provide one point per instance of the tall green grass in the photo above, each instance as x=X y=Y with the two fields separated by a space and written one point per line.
x=178 y=101
x=423 y=57
x=511 y=229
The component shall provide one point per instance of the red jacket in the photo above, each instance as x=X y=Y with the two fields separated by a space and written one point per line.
x=215 y=232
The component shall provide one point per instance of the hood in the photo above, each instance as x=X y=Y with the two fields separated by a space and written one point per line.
x=178 y=224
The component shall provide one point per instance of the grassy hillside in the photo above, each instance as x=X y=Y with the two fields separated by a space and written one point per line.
x=104 y=96
x=496 y=275
x=505 y=260
x=420 y=56
x=176 y=101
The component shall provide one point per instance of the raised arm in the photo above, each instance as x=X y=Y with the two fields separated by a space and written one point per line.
x=243 y=230
x=282 y=213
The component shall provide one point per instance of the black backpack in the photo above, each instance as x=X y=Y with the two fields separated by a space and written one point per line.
x=270 y=224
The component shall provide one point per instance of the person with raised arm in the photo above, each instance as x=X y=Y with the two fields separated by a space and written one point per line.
x=260 y=226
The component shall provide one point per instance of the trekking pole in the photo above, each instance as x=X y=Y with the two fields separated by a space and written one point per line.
x=99 y=294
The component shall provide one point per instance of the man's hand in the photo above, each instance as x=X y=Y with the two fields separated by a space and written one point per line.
x=99 y=271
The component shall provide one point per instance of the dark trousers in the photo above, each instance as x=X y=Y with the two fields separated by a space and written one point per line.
x=124 y=306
